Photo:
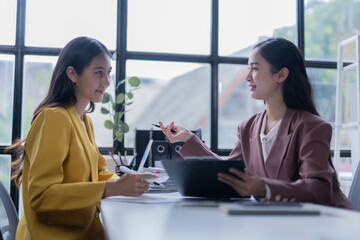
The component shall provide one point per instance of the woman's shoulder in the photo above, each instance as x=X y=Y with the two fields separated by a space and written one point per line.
x=307 y=119
x=57 y=114
x=251 y=123
x=54 y=111
x=49 y=118
x=251 y=120
x=306 y=116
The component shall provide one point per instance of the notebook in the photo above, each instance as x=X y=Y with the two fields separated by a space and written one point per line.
x=197 y=177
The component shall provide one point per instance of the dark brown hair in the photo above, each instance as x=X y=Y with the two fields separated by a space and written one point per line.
x=297 y=90
x=79 y=54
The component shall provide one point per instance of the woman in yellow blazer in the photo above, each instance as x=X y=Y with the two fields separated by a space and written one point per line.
x=63 y=174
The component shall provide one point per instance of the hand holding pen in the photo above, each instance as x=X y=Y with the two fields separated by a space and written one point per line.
x=176 y=133
x=130 y=171
x=128 y=185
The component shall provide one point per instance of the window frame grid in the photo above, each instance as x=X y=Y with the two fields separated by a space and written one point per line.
x=19 y=50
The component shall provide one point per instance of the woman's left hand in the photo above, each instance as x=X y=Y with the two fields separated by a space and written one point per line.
x=245 y=183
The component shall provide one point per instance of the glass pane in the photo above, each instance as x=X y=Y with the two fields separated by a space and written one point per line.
x=103 y=136
x=235 y=102
x=7 y=22
x=64 y=20
x=324 y=86
x=37 y=75
x=170 y=91
x=181 y=26
x=5 y=171
x=6 y=97
x=244 y=23
x=327 y=23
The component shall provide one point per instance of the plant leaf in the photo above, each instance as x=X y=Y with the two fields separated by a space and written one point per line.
x=125 y=127
x=106 y=97
x=111 y=98
x=104 y=110
x=130 y=95
x=119 y=136
x=120 y=98
x=129 y=103
x=109 y=124
x=134 y=81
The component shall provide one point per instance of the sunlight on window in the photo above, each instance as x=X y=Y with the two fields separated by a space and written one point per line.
x=5 y=171
x=7 y=22
x=6 y=96
x=178 y=26
x=37 y=75
x=244 y=23
x=63 y=20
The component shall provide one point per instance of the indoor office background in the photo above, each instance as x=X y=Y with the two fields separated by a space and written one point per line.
x=191 y=57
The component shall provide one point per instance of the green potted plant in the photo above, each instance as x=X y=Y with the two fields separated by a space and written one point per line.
x=115 y=109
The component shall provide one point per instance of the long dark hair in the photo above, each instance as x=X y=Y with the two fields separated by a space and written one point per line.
x=297 y=90
x=79 y=54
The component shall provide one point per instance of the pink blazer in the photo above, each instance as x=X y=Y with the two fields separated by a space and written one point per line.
x=297 y=166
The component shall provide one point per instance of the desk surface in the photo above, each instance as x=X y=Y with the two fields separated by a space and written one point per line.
x=168 y=217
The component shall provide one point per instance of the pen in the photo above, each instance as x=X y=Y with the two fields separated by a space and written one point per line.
x=121 y=161
x=130 y=171
x=112 y=157
x=158 y=126
x=132 y=160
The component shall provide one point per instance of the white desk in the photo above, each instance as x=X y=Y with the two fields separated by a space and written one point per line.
x=173 y=220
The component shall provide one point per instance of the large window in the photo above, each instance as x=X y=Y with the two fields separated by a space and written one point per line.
x=191 y=57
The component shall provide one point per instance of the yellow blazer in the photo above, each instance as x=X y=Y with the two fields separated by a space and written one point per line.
x=63 y=178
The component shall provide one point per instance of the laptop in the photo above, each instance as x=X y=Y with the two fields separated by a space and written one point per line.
x=197 y=177
x=145 y=155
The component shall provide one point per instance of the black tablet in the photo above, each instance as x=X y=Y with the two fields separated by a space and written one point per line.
x=197 y=177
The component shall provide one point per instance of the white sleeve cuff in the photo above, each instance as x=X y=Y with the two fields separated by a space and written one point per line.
x=267 y=194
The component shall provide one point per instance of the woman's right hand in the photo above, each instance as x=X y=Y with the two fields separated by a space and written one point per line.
x=131 y=185
x=180 y=133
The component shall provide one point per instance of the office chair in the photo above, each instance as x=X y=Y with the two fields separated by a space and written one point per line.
x=354 y=193
x=8 y=216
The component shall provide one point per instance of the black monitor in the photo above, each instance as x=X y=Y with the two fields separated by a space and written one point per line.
x=161 y=148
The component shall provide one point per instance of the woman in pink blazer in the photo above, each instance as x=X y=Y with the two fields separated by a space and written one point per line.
x=286 y=148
